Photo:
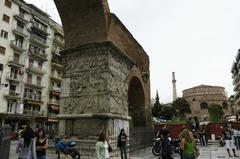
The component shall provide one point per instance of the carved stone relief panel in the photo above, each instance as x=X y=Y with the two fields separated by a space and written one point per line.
x=84 y=60
x=85 y=104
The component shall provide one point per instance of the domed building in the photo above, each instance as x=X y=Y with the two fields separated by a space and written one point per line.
x=201 y=97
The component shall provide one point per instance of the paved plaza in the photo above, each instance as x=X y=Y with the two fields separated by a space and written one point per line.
x=210 y=152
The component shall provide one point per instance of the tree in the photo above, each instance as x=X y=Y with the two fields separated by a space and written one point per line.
x=181 y=107
x=215 y=111
x=167 y=112
x=156 y=111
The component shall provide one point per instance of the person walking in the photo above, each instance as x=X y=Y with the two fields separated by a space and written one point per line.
x=202 y=136
x=228 y=139
x=102 y=147
x=20 y=145
x=41 y=144
x=28 y=149
x=188 y=145
x=166 y=146
x=122 y=144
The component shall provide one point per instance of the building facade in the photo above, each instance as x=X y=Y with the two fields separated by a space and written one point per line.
x=201 y=97
x=30 y=67
x=236 y=83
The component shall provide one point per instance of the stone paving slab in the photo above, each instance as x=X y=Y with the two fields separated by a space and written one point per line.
x=209 y=152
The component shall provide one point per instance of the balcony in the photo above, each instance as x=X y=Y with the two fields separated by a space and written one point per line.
x=39 y=55
x=54 y=102
x=236 y=87
x=29 y=83
x=56 y=89
x=52 y=115
x=33 y=112
x=58 y=40
x=33 y=97
x=39 y=28
x=13 y=77
x=21 y=18
x=36 y=70
x=56 y=64
x=38 y=41
x=19 y=47
x=20 y=31
x=56 y=77
x=16 y=62
x=12 y=94
x=56 y=51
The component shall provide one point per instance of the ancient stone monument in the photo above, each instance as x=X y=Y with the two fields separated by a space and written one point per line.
x=106 y=83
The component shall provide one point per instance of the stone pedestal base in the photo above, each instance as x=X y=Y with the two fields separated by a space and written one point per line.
x=86 y=127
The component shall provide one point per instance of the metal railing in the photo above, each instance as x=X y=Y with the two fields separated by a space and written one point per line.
x=39 y=39
x=18 y=45
x=33 y=112
x=13 y=76
x=13 y=93
x=39 y=26
x=36 y=97
x=54 y=101
x=41 y=54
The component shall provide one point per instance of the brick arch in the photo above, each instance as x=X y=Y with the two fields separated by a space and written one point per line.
x=136 y=98
x=84 y=21
x=136 y=103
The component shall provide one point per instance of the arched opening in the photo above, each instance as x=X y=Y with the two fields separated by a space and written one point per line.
x=204 y=105
x=225 y=105
x=136 y=103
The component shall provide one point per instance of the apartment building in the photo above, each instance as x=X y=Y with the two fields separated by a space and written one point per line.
x=30 y=69
x=235 y=70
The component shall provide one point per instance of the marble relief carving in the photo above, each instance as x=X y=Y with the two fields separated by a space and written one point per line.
x=97 y=83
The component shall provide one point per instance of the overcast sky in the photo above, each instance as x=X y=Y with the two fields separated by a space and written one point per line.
x=197 y=39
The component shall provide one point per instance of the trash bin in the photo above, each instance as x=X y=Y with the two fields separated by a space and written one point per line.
x=5 y=141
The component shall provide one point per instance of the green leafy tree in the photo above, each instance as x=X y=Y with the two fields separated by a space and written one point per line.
x=216 y=112
x=167 y=112
x=156 y=111
x=181 y=107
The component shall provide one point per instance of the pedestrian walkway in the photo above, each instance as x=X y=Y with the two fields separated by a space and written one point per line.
x=213 y=151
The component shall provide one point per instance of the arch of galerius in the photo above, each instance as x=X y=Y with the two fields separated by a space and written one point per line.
x=105 y=83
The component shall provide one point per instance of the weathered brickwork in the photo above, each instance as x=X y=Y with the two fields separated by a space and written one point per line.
x=106 y=83
x=201 y=97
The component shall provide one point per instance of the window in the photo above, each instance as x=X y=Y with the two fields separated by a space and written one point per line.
x=6 y=18
x=10 y=107
x=19 y=41
x=8 y=3
x=21 y=12
x=30 y=63
x=40 y=65
x=16 y=58
x=29 y=78
x=14 y=73
x=39 y=79
x=2 y=50
x=204 y=105
x=4 y=34
x=20 y=27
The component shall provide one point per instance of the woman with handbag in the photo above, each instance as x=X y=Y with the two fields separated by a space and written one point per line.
x=188 y=145
x=102 y=147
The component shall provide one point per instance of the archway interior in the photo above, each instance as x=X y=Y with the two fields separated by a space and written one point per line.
x=136 y=103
